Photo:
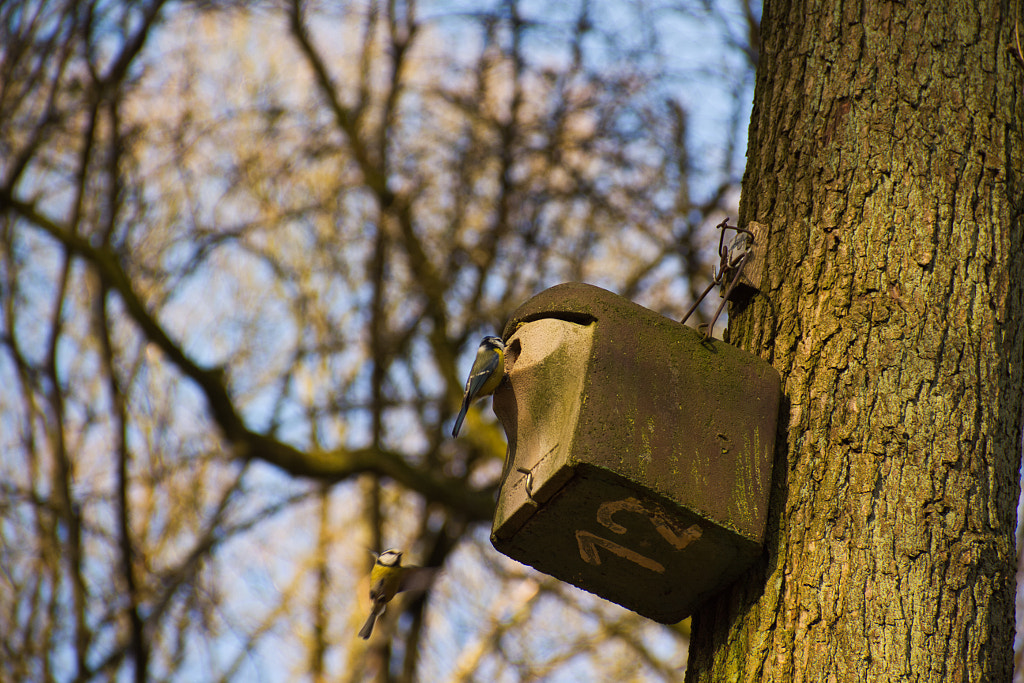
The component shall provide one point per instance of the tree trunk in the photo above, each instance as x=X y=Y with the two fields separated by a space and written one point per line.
x=886 y=158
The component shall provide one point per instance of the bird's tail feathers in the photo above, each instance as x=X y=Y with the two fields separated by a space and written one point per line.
x=460 y=418
x=367 y=628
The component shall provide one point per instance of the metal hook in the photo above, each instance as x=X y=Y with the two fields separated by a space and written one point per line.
x=529 y=482
x=732 y=260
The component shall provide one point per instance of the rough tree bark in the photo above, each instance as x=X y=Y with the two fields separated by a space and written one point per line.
x=886 y=155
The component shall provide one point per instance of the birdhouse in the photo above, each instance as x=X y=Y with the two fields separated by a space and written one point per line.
x=639 y=455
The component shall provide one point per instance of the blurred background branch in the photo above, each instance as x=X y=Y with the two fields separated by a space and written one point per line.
x=235 y=235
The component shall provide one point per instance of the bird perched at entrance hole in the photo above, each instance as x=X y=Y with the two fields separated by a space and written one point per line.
x=484 y=377
x=387 y=578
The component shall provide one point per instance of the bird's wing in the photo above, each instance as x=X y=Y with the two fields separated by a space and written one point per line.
x=482 y=369
x=417 y=578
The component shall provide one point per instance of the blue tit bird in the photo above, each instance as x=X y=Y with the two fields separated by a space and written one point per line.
x=484 y=377
x=388 y=578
